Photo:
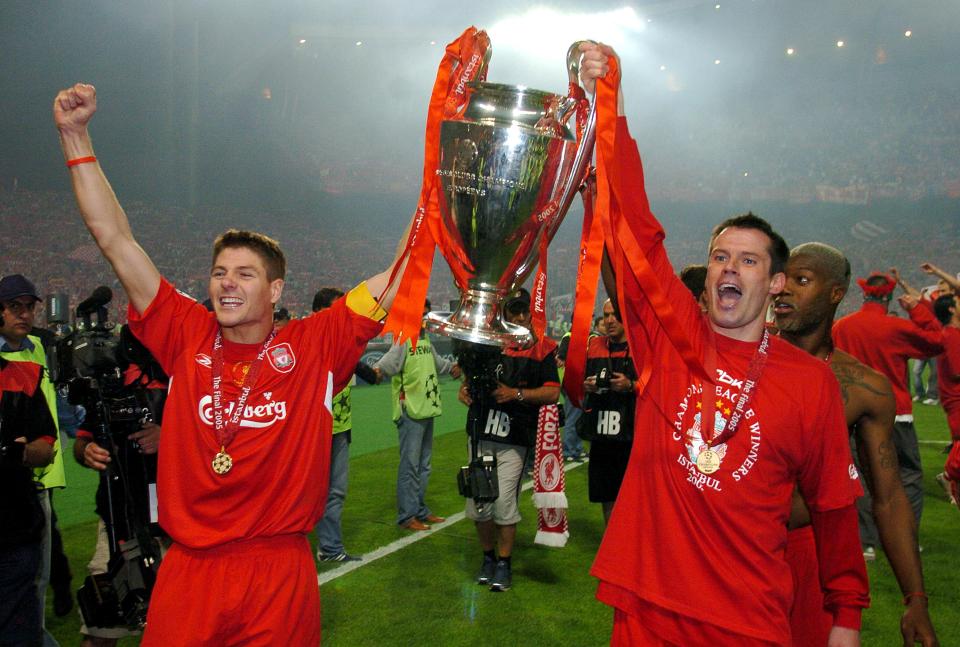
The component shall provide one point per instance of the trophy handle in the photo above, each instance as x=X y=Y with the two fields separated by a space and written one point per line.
x=585 y=150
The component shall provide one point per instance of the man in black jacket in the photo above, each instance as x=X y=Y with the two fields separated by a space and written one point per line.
x=607 y=422
x=27 y=435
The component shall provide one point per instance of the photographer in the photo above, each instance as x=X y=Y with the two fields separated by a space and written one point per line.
x=27 y=434
x=127 y=445
x=608 y=409
x=504 y=416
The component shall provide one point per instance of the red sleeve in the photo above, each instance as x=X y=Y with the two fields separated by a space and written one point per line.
x=843 y=574
x=925 y=337
x=828 y=479
x=166 y=321
x=342 y=333
x=83 y=433
x=951 y=353
x=627 y=174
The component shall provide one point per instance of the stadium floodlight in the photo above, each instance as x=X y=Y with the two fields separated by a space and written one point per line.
x=303 y=41
x=359 y=43
x=541 y=32
x=791 y=51
x=716 y=61
x=908 y=33
x=840 y=43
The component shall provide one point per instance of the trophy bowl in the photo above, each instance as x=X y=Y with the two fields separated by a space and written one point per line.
x=509 y=169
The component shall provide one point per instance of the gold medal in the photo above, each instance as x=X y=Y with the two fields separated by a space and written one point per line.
x=708 y=461
x=222 y=463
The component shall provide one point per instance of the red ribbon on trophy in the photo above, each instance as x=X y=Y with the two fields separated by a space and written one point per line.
x=463 y=63
x=606 y=226
x=548 y=480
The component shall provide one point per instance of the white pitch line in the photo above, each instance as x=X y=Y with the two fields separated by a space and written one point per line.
x=935 y=442
x=403 y=542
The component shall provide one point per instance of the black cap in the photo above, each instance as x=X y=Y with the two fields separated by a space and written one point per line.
x=520 y=298
x=15 y=286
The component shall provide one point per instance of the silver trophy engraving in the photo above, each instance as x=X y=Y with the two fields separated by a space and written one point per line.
x=509 y=169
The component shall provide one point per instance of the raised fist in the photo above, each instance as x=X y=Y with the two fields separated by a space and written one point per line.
x=593 y=63
x=73 y=107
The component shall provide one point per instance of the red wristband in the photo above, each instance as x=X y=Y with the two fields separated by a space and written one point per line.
x=81 y=160
x=917 y=594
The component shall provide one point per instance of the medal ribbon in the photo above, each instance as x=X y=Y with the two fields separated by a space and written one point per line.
x=754 y=371
x=227 y=430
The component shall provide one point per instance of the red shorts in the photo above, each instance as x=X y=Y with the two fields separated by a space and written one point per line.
x=630 y=630
x=253 y=593
x=809 y=624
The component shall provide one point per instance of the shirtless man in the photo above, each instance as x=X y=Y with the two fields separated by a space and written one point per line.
x=817 y=279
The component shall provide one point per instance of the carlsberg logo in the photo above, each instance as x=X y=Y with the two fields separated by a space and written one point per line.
x=259 y=416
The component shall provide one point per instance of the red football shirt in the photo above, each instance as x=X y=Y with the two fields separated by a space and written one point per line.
x=708 y=550
x=884 y=343
x=281 y=453
x=948 y=378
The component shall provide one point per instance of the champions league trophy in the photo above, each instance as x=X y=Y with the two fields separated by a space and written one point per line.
x=509 y=169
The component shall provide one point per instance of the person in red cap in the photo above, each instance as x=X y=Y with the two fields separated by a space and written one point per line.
x=885 y=343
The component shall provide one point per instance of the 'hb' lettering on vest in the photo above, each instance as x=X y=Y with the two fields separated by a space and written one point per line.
x=608 y=423
x=498 y=424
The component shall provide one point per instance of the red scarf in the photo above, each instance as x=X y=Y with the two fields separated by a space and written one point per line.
x=548 y=480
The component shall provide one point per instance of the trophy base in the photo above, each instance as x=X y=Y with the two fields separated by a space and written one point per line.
x=479 y=320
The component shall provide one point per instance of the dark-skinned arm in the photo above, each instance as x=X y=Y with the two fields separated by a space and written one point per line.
x=892 y=511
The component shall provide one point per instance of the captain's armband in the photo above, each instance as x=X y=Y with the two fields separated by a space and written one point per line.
x=362 y=302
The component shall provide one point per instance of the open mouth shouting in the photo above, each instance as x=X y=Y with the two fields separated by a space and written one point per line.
x=728 y=295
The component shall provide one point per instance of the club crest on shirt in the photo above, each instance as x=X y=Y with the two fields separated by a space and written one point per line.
x=282 y=358
x=688 y=433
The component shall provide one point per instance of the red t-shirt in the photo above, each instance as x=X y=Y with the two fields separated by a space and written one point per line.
x=281 y=453
x=948 y=378
x=709 y=549
x=884 y=343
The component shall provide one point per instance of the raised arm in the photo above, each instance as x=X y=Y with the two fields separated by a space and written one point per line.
x=380 y=285
x=951 y=280
x=909 y=289
x=104 y=217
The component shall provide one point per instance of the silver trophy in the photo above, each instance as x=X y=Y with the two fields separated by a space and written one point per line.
x=509 y=169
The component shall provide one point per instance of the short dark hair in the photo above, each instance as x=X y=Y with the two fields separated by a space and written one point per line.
x=695 y=278
x=262 y=245
x=325 y=297
x=778 y=249
x=941 y=308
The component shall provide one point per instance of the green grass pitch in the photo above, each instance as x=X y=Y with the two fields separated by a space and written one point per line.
x=424 y=593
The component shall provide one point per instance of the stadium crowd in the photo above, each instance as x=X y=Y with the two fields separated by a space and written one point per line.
x=510 y=406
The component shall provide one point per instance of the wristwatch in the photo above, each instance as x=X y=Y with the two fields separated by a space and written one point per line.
x=520 y=395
